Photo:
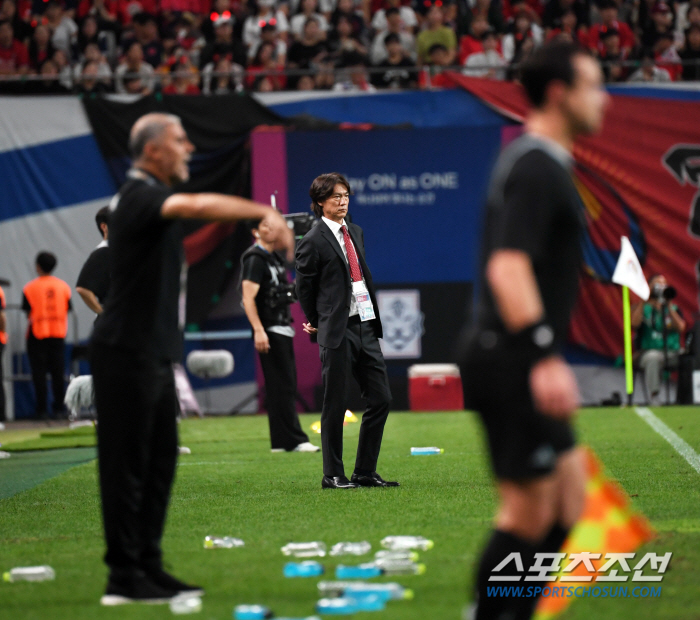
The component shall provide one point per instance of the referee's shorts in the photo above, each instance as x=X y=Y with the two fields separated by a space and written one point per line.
x=523 y=443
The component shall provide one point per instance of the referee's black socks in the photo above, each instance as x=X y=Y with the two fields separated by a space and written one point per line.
x=499 y=547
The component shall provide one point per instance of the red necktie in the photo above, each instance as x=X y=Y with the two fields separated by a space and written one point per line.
x=355 y=272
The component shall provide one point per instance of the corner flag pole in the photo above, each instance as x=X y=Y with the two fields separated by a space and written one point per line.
x=627 y=321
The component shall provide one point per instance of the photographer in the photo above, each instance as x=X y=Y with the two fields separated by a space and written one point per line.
x=267 y=296
x=648 y=319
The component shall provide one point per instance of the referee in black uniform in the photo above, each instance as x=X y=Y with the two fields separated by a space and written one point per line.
x=512 y=368
x=133 y=347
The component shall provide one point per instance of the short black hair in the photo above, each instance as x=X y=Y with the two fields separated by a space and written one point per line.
x=436 y=47
x=391 y=11
x=607 y=4
x=102 y=217
x=551 y=62
x=392 y=37
x=46 y=261
x=322 y=189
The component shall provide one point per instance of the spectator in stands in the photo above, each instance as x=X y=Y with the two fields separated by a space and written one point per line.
x=489 y=63
x=184 y=78
x=399 y=71
x=690 y=55
x=686 y=12
x=609 y=16
x=14 y=58
x=267 y=64
x=64 y=30
x=569 y=29
x=343 y=41
x=613 y=56
x=306 y=82
x=490 y=10
x=554 y=11
x=470 y=43
x=88 y=33
x=51 y=85
x=133 y=75
x=93 y=53
x=354 y=77
x=661 y=24
x=666 y=55
x=407 y=17
x=40 y=47
x=146 y=33
x=106 y=12
x=346 y=9
x=89 y=81
x=219 y=8
x=395 y=26
x=64 y=68
x=649 y=72
x=526 y=35
x=229 y=78
x=269 y=34
x=268 y=13
x=310 y=51
x=308 y=9
x=436 y=33
x=224 y=44
x=21 y=27
x=439 y=58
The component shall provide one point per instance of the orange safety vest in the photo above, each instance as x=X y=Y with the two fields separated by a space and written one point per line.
x=48 y=298
x=3 y=334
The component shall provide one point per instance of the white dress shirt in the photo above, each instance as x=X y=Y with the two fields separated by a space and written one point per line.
x=338 y=234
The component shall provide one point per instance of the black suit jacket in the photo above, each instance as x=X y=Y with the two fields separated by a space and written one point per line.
x=324 y=286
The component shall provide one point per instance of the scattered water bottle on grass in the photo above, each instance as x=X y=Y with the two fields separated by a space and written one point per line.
x=400 y=567
x=406 y=543
x=426 y=451
x=351 y=548
x=390 y=591
x=337 y=606
x=360 y=571
x=252 y=612
x=30 y=573
x=185 y=604
x=225 y=542
x=305 y=549
x=303 y=569
x=396 y=556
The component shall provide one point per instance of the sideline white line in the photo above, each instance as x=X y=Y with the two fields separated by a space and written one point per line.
x=680 y=446
x=209 y=463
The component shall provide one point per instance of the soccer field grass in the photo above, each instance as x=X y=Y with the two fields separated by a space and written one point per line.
x=232 y=485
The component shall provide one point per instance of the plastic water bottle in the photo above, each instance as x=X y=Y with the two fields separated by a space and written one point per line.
x=30 y=573
x=367 y=601
x=4 y=455
x=396 y=556
x=226 y=542
x=252 y=612
x=305 y=549
x=309 y=568
x=406 y=543
x=337 y=606
x=351 y=548
x=388 y=591
x=426 y=451
x=308 y=618
x=361 y=571
x=400 y=568
x=185 y=604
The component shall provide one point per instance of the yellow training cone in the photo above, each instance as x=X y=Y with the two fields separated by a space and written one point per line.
x=350 y=417
x=316 y=427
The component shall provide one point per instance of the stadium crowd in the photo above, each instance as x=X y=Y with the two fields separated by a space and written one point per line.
x=220 y=46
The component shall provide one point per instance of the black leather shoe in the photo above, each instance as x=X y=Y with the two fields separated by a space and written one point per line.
x=168 y=582
x=374 y=480
x=337 y=482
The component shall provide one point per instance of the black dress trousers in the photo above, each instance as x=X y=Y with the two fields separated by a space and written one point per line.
x=47 y=356
x=137 y=443
x=280 y=372
x=359 y=355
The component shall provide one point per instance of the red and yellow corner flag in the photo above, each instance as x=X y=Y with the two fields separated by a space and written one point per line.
x=608 y=525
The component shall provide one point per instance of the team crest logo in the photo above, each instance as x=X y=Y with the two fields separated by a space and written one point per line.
x=683 y=162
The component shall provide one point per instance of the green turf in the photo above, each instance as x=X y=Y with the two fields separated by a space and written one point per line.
x=232 y=485
x=80 y=437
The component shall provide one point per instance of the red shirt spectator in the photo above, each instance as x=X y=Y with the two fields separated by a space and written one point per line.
x=14 y=57
x=198 y=7
x=509 y=8
x=608 y=13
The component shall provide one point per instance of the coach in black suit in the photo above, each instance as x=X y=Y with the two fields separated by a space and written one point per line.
x=336 y=292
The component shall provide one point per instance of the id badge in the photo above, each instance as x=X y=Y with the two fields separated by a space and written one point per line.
x=364 y=302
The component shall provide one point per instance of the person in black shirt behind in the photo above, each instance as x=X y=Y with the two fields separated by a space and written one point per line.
x=513 y=372
x=399 y=70
x=93 y=281
x=266 y=298
x=133 y=347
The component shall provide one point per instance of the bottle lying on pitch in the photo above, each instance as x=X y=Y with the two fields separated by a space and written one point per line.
x=406 y=543
x=351 y=548
x=428 y=451
x=30 y=573
x=389 y=591
x=252 y=612
x=222 y=542
x=373 y=569
x=312 y=549
x=398 y=556
x=309 y=568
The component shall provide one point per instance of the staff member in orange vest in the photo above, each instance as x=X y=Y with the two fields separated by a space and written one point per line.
x=3 y=342
x=47 y=302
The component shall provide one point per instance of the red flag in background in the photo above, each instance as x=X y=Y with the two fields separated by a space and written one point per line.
x=639 y=177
